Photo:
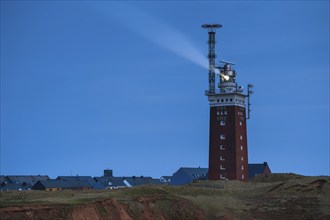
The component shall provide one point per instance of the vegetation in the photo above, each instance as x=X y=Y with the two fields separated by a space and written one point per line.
x=265 y=197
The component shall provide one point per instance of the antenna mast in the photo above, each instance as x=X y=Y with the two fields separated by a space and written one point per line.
x=211 y=55
x=249 y=93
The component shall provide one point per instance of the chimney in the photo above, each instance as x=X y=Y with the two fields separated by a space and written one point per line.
x=108 y=173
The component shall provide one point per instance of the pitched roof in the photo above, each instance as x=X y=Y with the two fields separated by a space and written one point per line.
x=256 y=168
x=165 y=179
x=12 y=186
x=64 y=184
x=138 y=181
x=27 y=179
x=110 y=181
x=87 y=179
x=195 y=173
x=2 y=179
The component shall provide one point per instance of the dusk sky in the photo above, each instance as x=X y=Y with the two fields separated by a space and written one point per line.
x=92 y=85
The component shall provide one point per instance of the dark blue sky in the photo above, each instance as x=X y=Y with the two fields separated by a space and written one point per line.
x=92 y=85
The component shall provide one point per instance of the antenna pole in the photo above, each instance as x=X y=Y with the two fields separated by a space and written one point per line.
x=211 y=55
x=249 y=93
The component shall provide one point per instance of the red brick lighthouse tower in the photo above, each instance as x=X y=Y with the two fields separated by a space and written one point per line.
x=228 y=154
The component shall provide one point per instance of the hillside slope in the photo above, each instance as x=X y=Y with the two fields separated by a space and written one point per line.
x=276 y=196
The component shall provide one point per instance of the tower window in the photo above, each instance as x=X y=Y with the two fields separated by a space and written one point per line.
x=231 y=100
x=222 y=147
x=222 y=158
x=226 y=100
x=242 y=176
x=222 y=176
x=225 y=112
x=222 y=167
x=240 y=123
x=242 y=167
x=242 y=158
x=221 y=100
x=222 y=137
x=222 y=122
x=241 y=147
x=217 y=100
x=218 y=113
x=241 y=137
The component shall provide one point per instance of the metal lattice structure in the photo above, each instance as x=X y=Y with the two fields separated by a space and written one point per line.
x=211 y=55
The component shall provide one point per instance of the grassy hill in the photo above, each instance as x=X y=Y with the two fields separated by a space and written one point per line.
x=276 y=196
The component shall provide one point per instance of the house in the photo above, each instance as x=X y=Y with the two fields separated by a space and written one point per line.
x=139 y=181
x=256 y=169
x=24 y=182
x=3 y=182
x=6 y=185
x=2 y=179
x=156 y=182
x=165 y=179
x=61 y=184
x=12 y=186
x=87 y=179
x=186 y=175
x=109 y=182
x=136 y=181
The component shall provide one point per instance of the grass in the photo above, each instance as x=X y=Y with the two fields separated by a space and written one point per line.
x=279 y=194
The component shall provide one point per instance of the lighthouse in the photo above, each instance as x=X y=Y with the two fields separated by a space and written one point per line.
x=229 y=110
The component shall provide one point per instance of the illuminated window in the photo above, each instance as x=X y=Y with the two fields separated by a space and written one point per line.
x=242 y=158
x=222 y=122
x=242 y=167
x=222 y=167
x=222 y=137
x=241 y=137
x=240 y=123
x=241 y=147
